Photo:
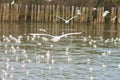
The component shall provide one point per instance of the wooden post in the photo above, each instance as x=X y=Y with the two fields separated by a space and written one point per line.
x=19 y=8
x=118 y=15
x=98 y=14
x=80 y=16
x=90 y=14
x=35 y=12
x=46 y=13
x=72 y=12
x=26 y=11
x=76 y=19
x=113 y=15
x=66 y=10
x=16 y=12
x=50 y=13
x=42 y=13
x=83 y=13
x=38 y=13
x=53 y=13
x=11 y=12
x=63 y=12
x=32 y=12
x=7 y=12
x=57 y=13
x=102 y=18
x=86 y=14
x=1 y=11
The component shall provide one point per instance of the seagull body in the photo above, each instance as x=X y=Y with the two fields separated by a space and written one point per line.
x=67 y=21
x=94 y=9
x=113 y=19
x=78 y=12
x=105 y=13
x=56 y=38
x=12 y=2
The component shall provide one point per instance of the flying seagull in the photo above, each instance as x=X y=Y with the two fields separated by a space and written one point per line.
x=42 y=30
x=67 y=20
x=56 y=38
x=105 y=13
x=13 y=2
x=113 y=19
x=78 y=12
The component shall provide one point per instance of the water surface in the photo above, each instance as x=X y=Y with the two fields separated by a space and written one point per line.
x=91 y=56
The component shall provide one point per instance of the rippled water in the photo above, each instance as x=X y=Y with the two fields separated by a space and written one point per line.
x=91 y=56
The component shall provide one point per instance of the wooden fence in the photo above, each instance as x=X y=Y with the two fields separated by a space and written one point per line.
x=48 y=13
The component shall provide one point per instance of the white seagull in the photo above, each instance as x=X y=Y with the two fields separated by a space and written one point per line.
x=56 y=38
x=78 y=12
x=42 y=30
x=105 y=13
x=94 y=9
x=113 y=19
x=12 y=2
x=67 y=20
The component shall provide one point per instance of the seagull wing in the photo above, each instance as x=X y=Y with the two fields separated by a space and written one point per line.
x=71 y=34
x=61 y=18
x=12 y=2
x=42 y=30
x=113 y=18
x=72 y=18
x=36 y=34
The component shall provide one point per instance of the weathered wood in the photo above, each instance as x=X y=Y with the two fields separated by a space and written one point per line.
x=57 y=13
x=0 y=12
x=84 y=14
x=35 y=13
x=38 y=13
x=32 y=12
x=72 y=12
x=48 y=13
x=113 y=14
x=118 y=15
x=26 y=12
x=76 y=19
x=53 y=13
x=42 y=13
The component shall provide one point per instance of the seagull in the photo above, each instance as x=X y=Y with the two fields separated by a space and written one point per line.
x=113 y=19
x=56 y=38
x=105 y=13
x=67 y=21
x=42 y=30
x=78 y=12
x=94 y=9
x=12 y=2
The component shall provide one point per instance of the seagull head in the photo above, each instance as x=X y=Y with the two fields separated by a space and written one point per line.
x=94 y=9
x=107 y=12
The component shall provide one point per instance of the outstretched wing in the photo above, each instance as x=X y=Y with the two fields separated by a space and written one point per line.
x=36 y=34
x=113 y=18
x=61 y=18
x=72 y=18
x=71 y=34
